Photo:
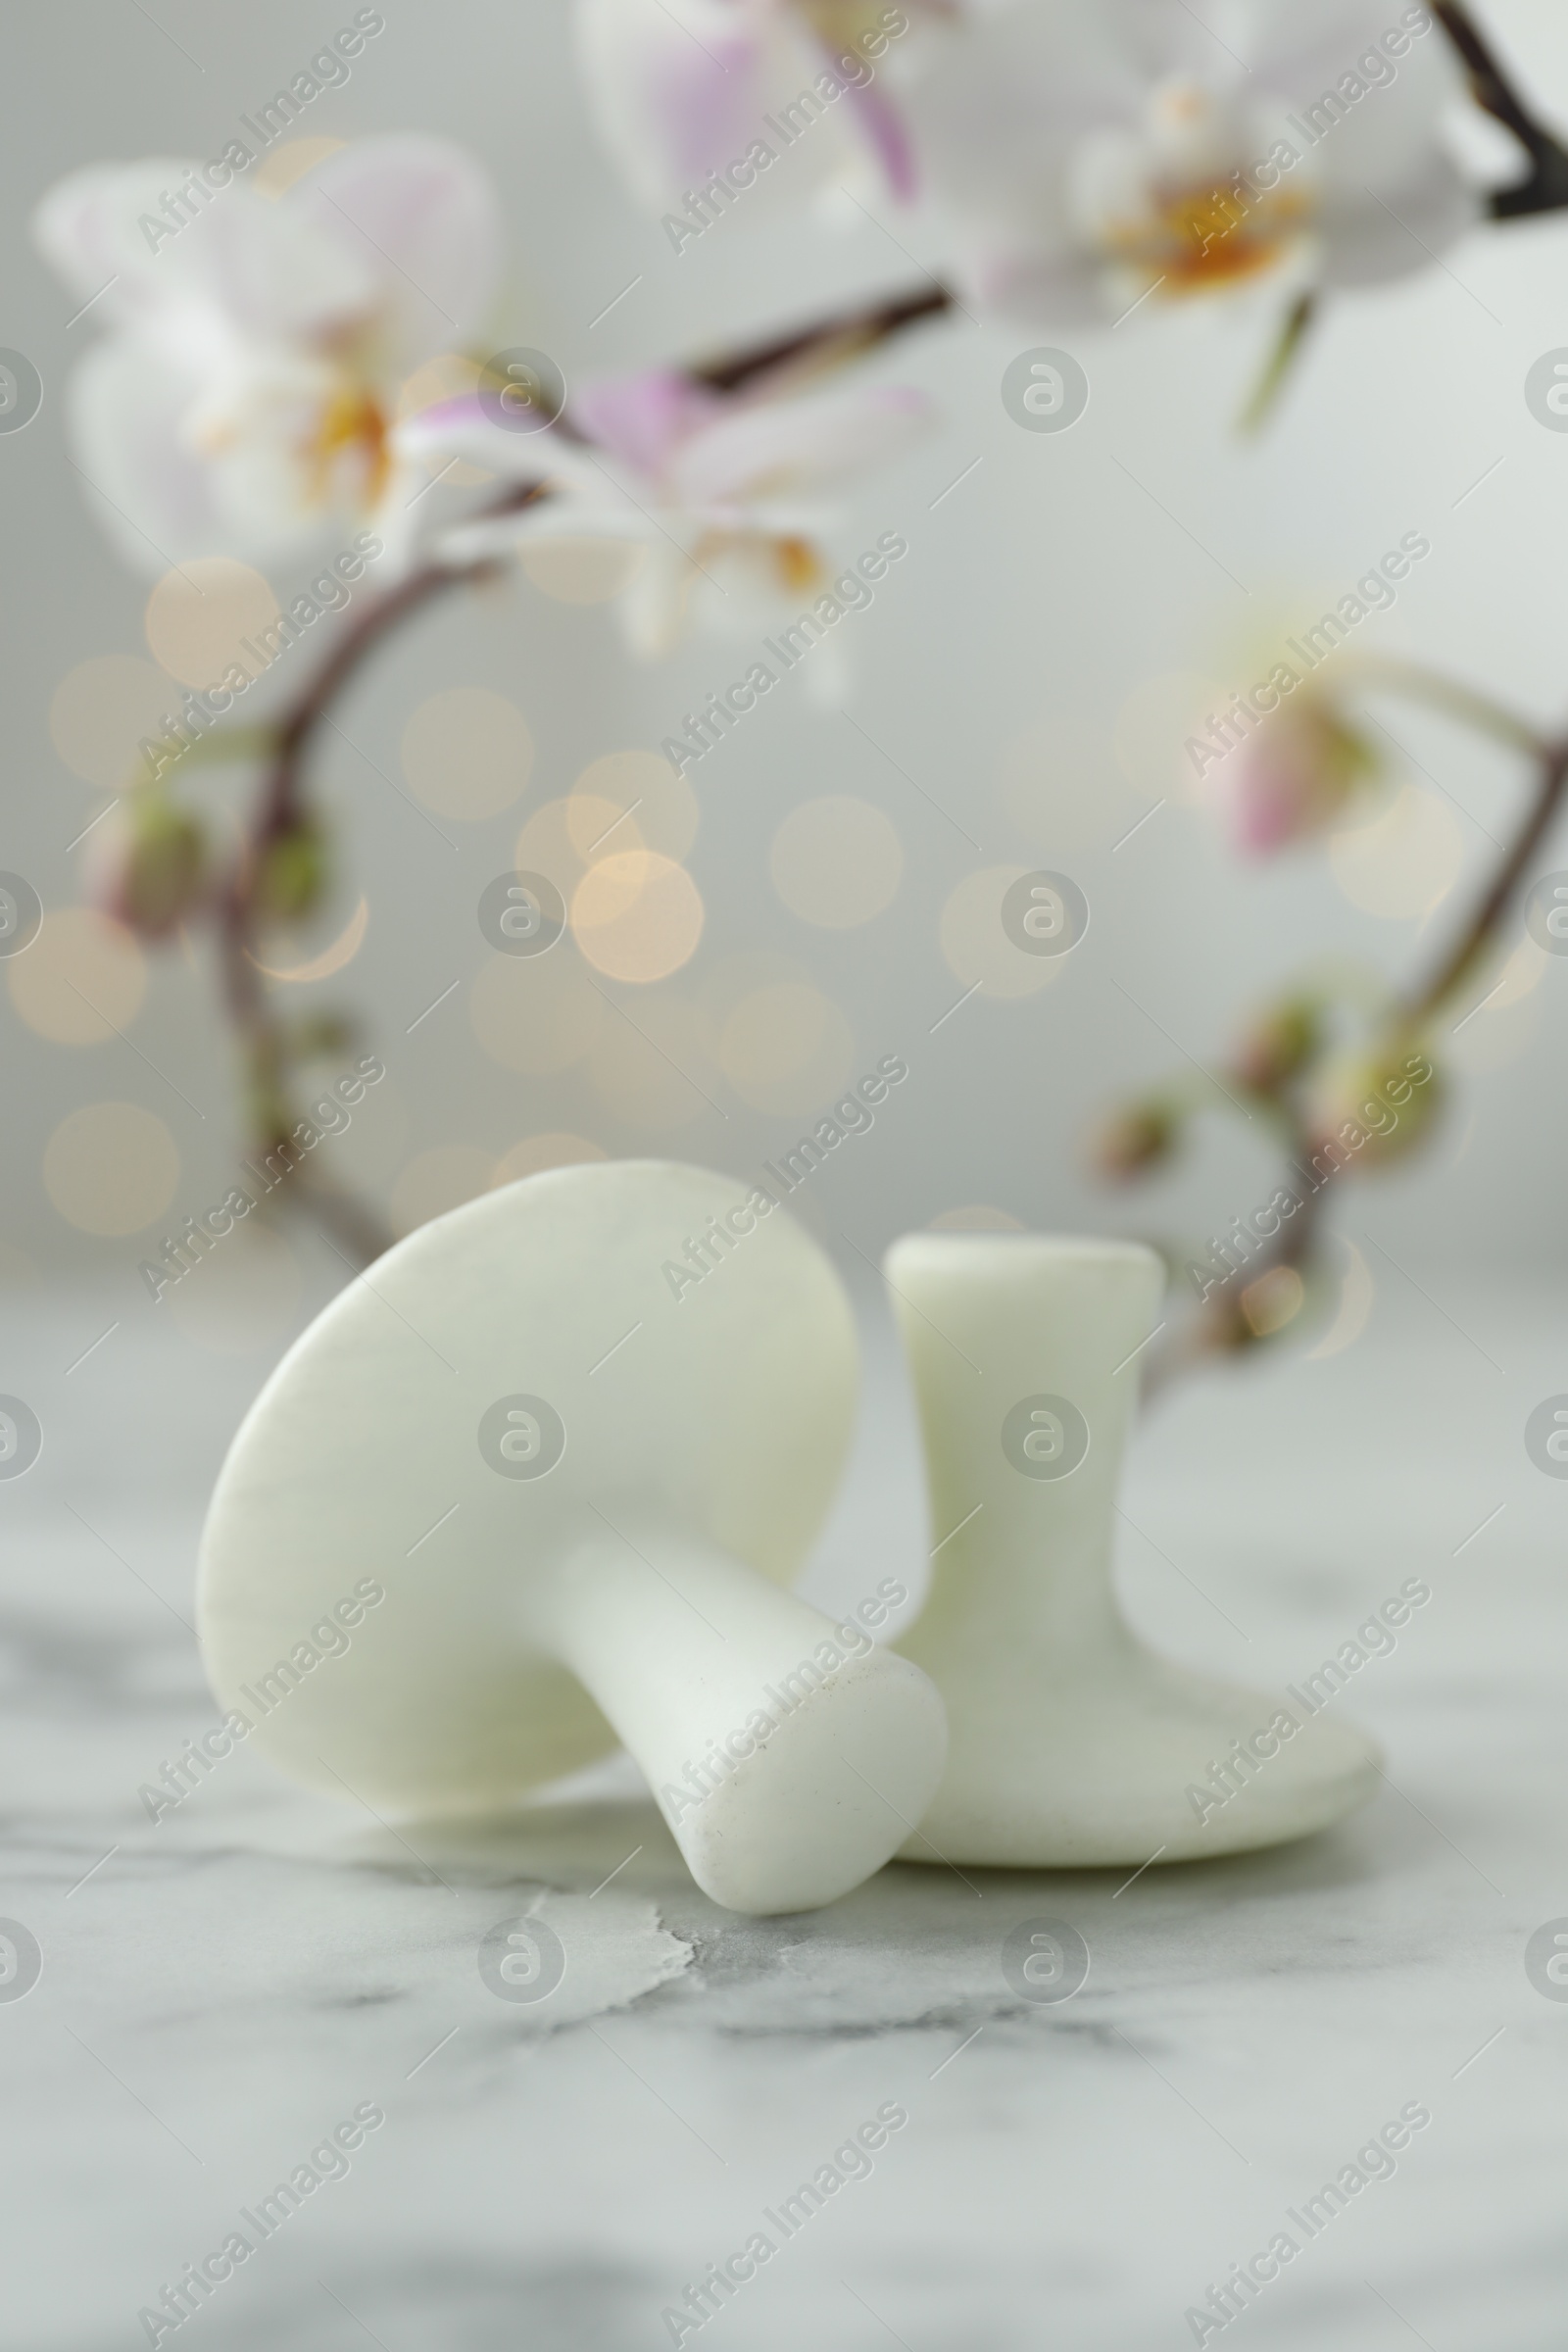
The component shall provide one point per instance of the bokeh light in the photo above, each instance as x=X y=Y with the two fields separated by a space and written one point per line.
x=1405 y=862
x=198 y=614
x=467 y=753
x=280 y=169
x=836 y=861
x=111 y=1169
x=637 y=916
x=978 y=950
x=83 y=977
x=664 y=810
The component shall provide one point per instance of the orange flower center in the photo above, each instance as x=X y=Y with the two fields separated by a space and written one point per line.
x=351 y=420
x=1196 y=238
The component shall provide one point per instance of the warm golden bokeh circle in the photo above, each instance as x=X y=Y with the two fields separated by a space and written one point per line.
x=786 y=1048
x=549 y=841
x=637 y=916
x=836 y=861
x=537 y=1152
x=280 y=170
x=978 y=950
x=1404 y=862
x=434 y=1181
x=664 y=811
x=536 y=1013
x=198 y=614
x=102 y=710
x=111 y=1169
x=583 y=572
x=83 y=977
x=467 y=753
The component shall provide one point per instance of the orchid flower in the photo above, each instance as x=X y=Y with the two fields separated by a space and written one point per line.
x=685 y=90
x=725 y=493
x=1093 y=157
x=1292 y=779
x=242 y=398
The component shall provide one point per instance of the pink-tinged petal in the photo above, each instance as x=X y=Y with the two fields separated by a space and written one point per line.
x=643 y=419
x=462 y=427
x=421 y=218
x=887 y=134
x=793 y=445
x=680 y=87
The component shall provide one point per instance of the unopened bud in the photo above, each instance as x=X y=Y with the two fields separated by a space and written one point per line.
x=1291 y=779
x=291 y=873
x=1278 y=1047
x=148 y=863
x=1134 y=1140
x=1373 y=1106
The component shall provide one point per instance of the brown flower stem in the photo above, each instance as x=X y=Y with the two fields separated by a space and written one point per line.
x=281 y=803
x=1222 y=1326
x=1479 y=936
x=279 y=807
x=829 y=343
x=1545 y=188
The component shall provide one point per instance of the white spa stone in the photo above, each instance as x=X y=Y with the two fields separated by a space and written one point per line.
x=1069 y=1743
x=535 y=1504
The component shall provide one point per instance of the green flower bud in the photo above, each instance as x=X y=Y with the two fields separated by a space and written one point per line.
x=148 y=863
x=320 y=1034
x=291 y=874
x=1370 y=1106
x=1279 y=1046
x=1134 y=1140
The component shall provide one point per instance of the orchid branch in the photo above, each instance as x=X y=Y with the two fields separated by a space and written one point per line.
x=282 y=814
x=1545 y=188
x=1224 y=1324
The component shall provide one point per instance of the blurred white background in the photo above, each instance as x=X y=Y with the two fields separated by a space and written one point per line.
x=1023 y=673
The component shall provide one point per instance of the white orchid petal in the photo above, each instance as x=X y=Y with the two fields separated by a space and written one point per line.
x=682 y=88
x=421 y=218
x=158 y=501
x=245 y=265
x=795 y=444
x=1370 y=238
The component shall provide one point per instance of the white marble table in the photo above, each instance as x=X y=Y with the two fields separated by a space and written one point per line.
x=224 y=1987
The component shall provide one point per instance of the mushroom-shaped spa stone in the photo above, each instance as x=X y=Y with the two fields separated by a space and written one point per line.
x=516 y=1495
x=1069 y=1743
